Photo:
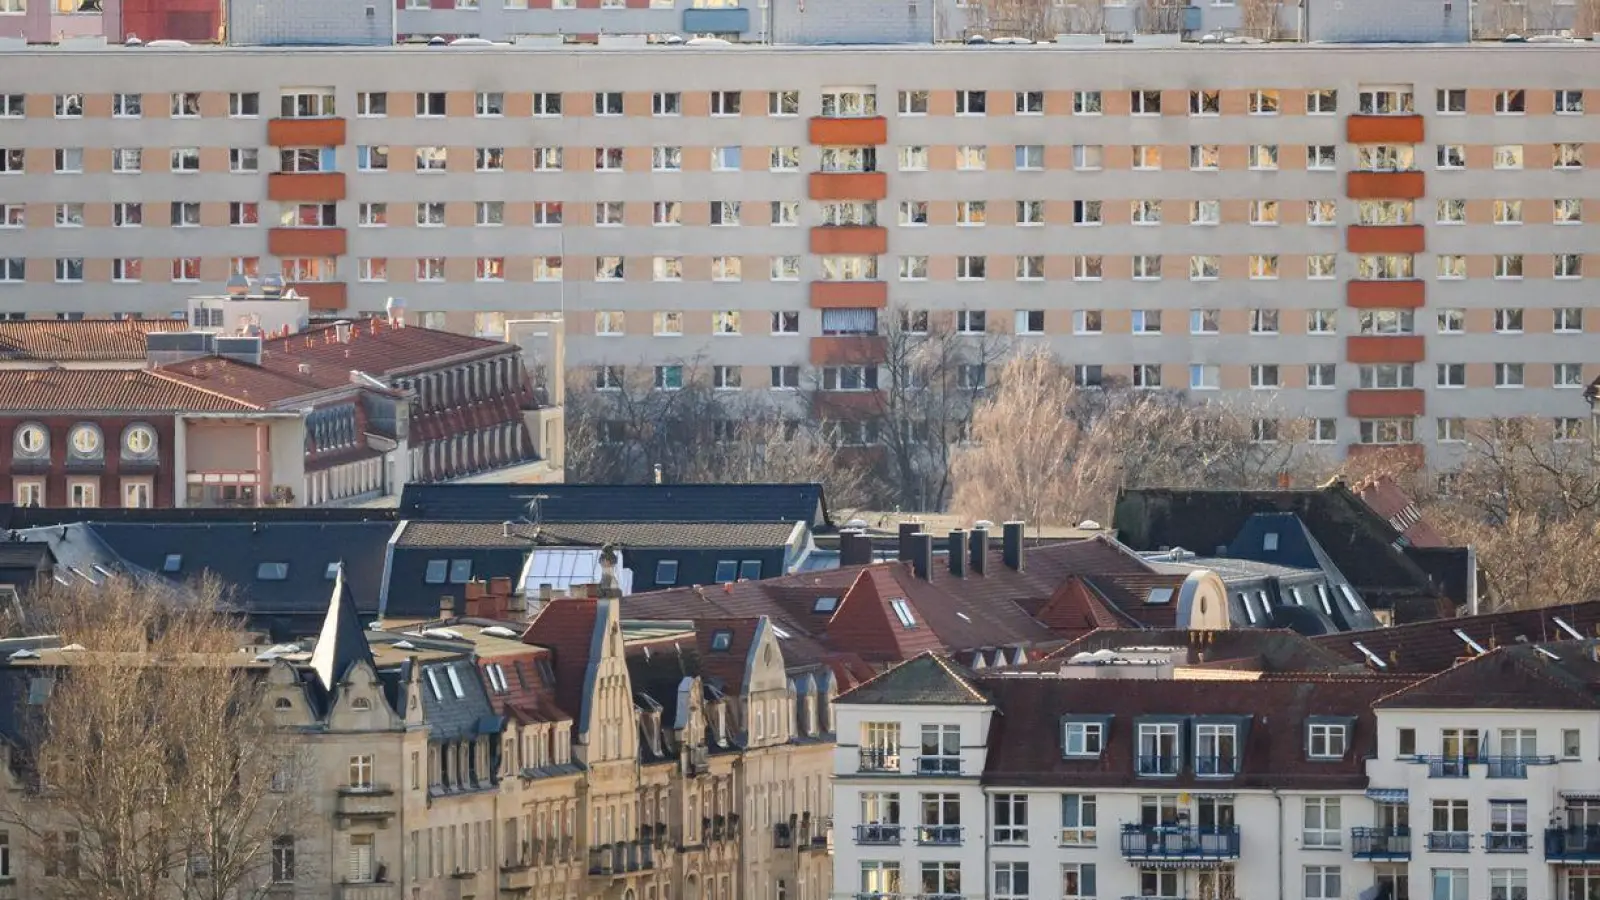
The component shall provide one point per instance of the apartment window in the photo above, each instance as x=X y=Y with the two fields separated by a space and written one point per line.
x=913 y=103
x=70 y=215
x=1508 y=212
x=1088 y=157
x=1146 y=321
x=1385 y=157
x=1568 y=265
x=1205 y=212
x=1321 y=157
x=1010 y=881
x=608 y=103
x=847 y=103
x=1086 y=212
x=493 y=159
x=727 y=268
x=373 y=269
x=969 y=158
x=1145 y=103
x=668 y=378
x=666 y=213
x=1264 y=377
x=1321 y=266
x=1204 y=157
x=971 y=212
x=1147 y=376
x=849 y=378
x=1030 y=103
x=1146 y=267
x=1568 y=211
x=783 y=103
x=1384 y=101
x=1204 y=268
x=69 y=269
x=1029 y=157
x=667 y=268
x=491 y=213
x=1452 y=375
x=1452 y=267
x=1322 y=212
x=69 y=160
x=1263 y=156
x=913 y=268
x=372 y=104
x=1263 y=321
x=1146 y=212
x=69 y=106
x=785 y=378
x=1030 y=268
x=1385 y=267
x=1568 y=156
x=430 y=215
x=1452 y=431
x=1508 y=375
x=1510 y=103
x=1568 y=375
x=128 y=160
x=1386 y=376
x=1322 y=883
x=13 y=269
x=785 y=213
x=432 y=159
x=127 y=270
x=372 y=215
x=546 y=104
x=1321 y=376
x=972 y=103
x=1087 y=103
x=186 y=105
x=913 y=159
x=1508 y=156
x=1451 y=101
x=1030 y=212
x=1567 y=428
x=607 y=214
x=1205 y=103
x=1263 y=212
x=1387 y=321
x=1204 y=321
x=609 y=322
x=1088 y=268
x=1322 y=102
x=430 y=268
x=372 y=158
x=1452 y=156
x=726 y=103
x=971 y=321
x=1322 y=823
x=11 y=161
x=1011 y=818
x=1205 y=378
x=971 y=268
x=491 y=268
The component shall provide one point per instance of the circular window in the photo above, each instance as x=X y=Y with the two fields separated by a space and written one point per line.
x=139 y=440
x=33 y=439
x=85 y=440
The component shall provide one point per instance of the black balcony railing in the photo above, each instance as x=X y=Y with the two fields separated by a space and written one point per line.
x=1515 y=766
x=938 y=765
x=1180 y=842
x=1217 y=766
x=939 y=834
x=1448 y=766
x=1574 y=843
x=1157 y=765
x=1505 y=842
x=1380 y=843
x=878 y=834
x=878 y=759
x=1450 y=841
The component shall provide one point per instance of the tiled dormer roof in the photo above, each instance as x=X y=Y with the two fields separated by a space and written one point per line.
x=1434 y=646
x=375 y=348
x=85 y=340
x=926 y=680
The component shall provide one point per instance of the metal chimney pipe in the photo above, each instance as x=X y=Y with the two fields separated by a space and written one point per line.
x=958 y=553
x=1011 y=544
x=980 y=550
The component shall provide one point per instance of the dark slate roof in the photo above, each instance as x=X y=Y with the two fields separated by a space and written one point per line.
x=628 y=534
x=406 y=592
x=1434 y=646
x=1272 y=650
x=27 y=555
x=450 y=717
x=342 y=642
x=1025 y=735
x=1561 y=676
x=234 y=551
x=33 y=516
x=928 y=679
x=568 y=503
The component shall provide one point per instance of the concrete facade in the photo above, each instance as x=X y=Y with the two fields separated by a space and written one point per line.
x=1476 y=263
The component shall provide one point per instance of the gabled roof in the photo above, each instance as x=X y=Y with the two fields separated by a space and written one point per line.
x=723 y=648
x=927 y=679
x=1557 y=676
x=572 y=629
x=343 y=642
x=1076 y=608
x=617 y=503
x=42 y=391
x=84 y=340
x=375 y=348
x=1434 y=646
x=877 y=620
x=1273 y=650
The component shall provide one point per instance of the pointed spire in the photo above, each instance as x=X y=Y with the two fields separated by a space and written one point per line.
x=342 y=643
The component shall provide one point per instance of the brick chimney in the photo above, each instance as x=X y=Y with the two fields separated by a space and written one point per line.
x=447 y=607
x=488 y=599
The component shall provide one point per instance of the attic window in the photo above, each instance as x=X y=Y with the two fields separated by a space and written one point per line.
x=750 y=570
x=902 y=611
x=460 y=571
x=436 y=571
x=1465 y=639
x=1249 y=609
x=1322 y=595
x=433 y=682
x=497 y=678
x=361 y=704
x=667 y=571
x=727 y=570
x=825 y=604
x=1295 y=593
x=455 y=682
x=1269 y=541
x=331 y=572
x=782 y=635
x=282 y=703
x=1350 y=598
x=1325 y=741
x=721 y=640
x=272 y=571
x=1159 y=596
x=173 y=563
x=1266 y=603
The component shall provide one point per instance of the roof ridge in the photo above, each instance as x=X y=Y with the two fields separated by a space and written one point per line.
x=169 y=378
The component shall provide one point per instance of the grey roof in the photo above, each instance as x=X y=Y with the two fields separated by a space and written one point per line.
x=342 y=643
x=452 y=717
x=449 y=534
x=927 y=679
x=618 y=502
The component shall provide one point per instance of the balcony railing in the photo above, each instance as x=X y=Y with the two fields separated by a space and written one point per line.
x=948 y=835
x=1449 y=841
x=875 y=759
x=938 y=765
x=1216 y=766
x=878 y=834
x=1180 y=842
x=1505 y=842
x=1380 y=843
x=1158 y=765
x=1574 y=844
x=1515 y=766
x=1447 y=766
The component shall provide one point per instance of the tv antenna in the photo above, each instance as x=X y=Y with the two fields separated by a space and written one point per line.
x=531 y=508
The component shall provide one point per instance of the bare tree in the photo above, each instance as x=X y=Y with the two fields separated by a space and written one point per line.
x=151 y=767
x=1037 y=20
x=1261 y=18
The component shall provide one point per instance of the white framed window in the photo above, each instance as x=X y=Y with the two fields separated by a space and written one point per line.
x=1205 y=377
x=1087 y=103
x=1263 y=157
x=1204 y=268
x=1010 y=881
x=1144 y=103
x=1322 y=823
x=1321 y=376
x=972 y=103
x=1508 y=156
x=1508 y=375
x=1323 y=883
x=1088 y=157
x=913 y=103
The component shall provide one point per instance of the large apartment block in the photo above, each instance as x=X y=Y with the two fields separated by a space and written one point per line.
x=1385 y=240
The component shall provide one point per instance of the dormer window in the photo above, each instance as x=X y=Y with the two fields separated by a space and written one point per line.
x=460 y=571
x=1327 y=740
x=667 y=571
x=1159 y=596
x=282 y=703
x=437 y=569
x=750 y=570
x=721 y=640
x=727 y=570
x=497 y=678
x=361 y=704
x=825 y=604
x=1216 y=750
x=172 y=564
x=902 y=611
x=272 y=571
x=1083 y=738
x=1269 y=541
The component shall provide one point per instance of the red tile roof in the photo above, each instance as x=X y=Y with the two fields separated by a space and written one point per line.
x=86 y=340
x=1511 y=677
x=109 y=390
x=566 y=626
x=1434 y=646
x=866 y=624
x=374 y=347
x=1077 y=609
x=727 y=666
x=243 y=381
x=1388 y=500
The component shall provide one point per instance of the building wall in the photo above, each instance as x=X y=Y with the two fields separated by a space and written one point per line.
x=110 y=474
x=290 y=22
x=458 y=247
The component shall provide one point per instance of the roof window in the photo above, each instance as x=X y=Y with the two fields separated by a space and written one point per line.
x=727 y=570
x=902 y=611
x=173 y=563
x=1269 y=541
x=436 y=571
x=272 y=571
x=750 y=570
x=721 y=640
x=1159 y=596
x=667 y=571
x=1350 y=598
x=455 y=682
x=825 y=604
x=460 y=571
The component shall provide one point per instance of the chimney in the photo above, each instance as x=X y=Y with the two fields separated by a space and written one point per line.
x=473 y=599
x=1011 y=544
x=447 y=607
x=341 y=331
x=958 y=553
x=496 y=602
x=855 y=548
x=922 y=556
x=907 y=548
x=980 y=550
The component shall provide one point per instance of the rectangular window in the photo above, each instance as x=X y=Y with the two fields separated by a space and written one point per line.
x=1322 y=821
x=972 y=103
x=1322 y=883
x=1010 y=881
x=1010 y=818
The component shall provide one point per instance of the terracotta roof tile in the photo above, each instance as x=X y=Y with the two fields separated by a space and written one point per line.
x=566 y=627
x=86 y=340
x=110 y=390
x=252 y=384
x=375 y=348
x=1513 y=677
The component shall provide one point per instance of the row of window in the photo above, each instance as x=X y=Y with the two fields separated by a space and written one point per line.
x=31 y=440
x=82 y=493
x=835 y=102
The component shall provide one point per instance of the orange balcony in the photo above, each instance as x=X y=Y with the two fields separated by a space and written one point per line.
x=1384 y=239
x=1384 y=404
x=849 y=294
x=1399 y=348
x=849 y=185
x=305 y=186
x=323 y=295
x=306 y=242
x=1385 y=185
x=871 y=131
x=854 y=239
x=1386 y=294
x=856 y=350
x=1383 y=129
x=305 y=132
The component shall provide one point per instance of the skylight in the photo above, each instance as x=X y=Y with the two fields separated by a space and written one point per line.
x=455 y=682
x=272 y=571
x=1159 y=596
x=1373 y=658
x=173 y=563
x=1350 y=598
x=825 y=604
x=437 y=568
x=902 y=611
x=721 y=640
x=433 y=682
x=782 y=635
x=1466 y=639
x=1561 y=623
x=1249 y=610
x=1269 y=541
x=727 y=570
x=460 y=571
x=667 y=571
x=1322 y=595
x=750 y=570
x=1295 y=593
x=1543 y=652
